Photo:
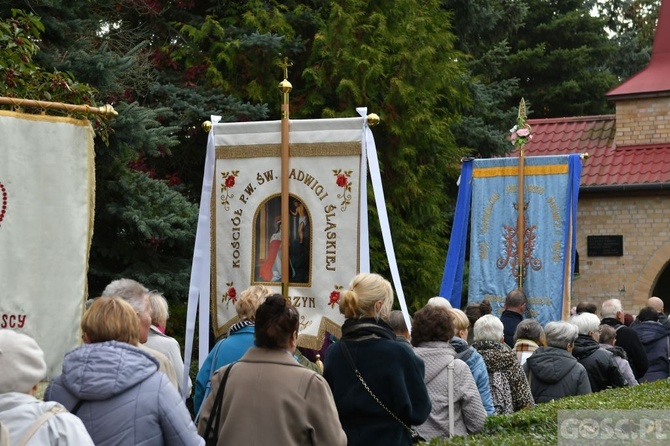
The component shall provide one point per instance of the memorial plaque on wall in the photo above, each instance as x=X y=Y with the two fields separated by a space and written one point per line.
x=604 y=245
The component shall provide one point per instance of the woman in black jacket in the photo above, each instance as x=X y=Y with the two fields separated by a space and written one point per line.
x=599 y=363
x=552 y=371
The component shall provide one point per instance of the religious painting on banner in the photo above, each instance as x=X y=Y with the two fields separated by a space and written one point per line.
x=324 y=178
x=47 y=192
x=549 y=207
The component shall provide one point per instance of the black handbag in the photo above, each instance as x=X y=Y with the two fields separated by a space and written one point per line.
x=212 y=431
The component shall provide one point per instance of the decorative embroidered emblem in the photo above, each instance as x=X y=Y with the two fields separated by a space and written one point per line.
x=343 y=180
x=335 y=296
x=227 y=183
x=230 y=295
x=511 y=248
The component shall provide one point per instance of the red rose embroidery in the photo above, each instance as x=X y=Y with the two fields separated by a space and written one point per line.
x=334 y=298
x=230 y=181
x=232 y=294
x=342 y=180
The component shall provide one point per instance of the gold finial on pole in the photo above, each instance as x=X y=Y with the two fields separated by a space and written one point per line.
x=207 y=126
x=285 y=88
x=373 y=119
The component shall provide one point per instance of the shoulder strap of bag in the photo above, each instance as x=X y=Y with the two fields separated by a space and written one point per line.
x=208 y=386
x=450 y=395
x=411 y=431
x=39 y=422
x=76 y=407
x=215 y=415
x=4 y=435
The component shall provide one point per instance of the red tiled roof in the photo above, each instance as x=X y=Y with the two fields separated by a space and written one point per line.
x=607 y=164
x=654 y=78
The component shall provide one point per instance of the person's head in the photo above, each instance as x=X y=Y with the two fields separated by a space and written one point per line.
x=22 y=364
x=587 y=324
x=516 y=301
x=461 y=323
x=432 y=323
x=560 y=335
x=160 y=311
x=529 y=329
x=439 y=301
x=249 y=301
x=586 y=307
x=656 y=303
x=612 y=308
x=110 y=318
x=648 y=314
x=136 y=295
x=475 y=311
x=368 y=295
x=397 y=322
x=488 y=328
x=277 y=323
x=607 y=334
x=628 y=319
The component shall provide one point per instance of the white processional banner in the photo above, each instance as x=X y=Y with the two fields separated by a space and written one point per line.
x=46 y=223
x=324 y=186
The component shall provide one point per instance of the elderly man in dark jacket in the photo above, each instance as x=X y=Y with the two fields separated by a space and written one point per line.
x=613 y=315
x=599 y=364
x=656 y=340
x=552 y=371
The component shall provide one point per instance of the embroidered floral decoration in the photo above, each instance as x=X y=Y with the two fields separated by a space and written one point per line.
x=230 y=295
x=343 y=180
x=335 y=296
x=228 y=182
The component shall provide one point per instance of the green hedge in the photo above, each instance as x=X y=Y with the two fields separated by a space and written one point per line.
x=539 y=425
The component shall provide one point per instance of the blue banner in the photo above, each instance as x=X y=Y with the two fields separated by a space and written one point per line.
x=452 y=280
x=551 y=186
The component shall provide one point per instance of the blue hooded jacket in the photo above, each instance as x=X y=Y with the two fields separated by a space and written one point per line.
x=478 y=368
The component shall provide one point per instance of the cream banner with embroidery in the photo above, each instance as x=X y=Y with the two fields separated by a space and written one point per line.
x=46 y=215
x=324 y=186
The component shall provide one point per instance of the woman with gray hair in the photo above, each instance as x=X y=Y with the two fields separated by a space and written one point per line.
x=599 y=364
x=552 y=371
x=527 y=338
x=509 y=387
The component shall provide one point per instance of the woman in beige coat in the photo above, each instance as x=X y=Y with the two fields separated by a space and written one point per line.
x=268 y=397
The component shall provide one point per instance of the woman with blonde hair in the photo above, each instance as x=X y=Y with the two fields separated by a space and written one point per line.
x=240 y=339
x=115 y=388
x=471 y=357
x=376 y=381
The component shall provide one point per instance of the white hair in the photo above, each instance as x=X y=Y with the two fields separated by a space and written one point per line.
x=488 y=328
x=610 y=308
x=439 y=301
x=585 y=322
x=560 y=334
x=129 y=290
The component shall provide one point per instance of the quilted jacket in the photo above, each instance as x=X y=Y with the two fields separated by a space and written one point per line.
x=126 y=401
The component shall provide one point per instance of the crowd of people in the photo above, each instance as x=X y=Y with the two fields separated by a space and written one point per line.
x=382 y=382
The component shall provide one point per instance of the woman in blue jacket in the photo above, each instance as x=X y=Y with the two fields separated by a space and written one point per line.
x=391 y=370
x=116 y=389
x=230 y=349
